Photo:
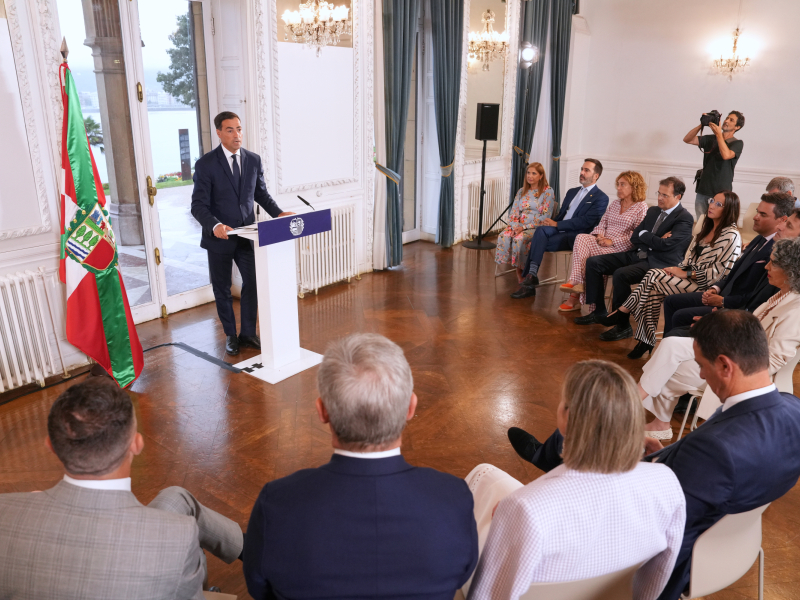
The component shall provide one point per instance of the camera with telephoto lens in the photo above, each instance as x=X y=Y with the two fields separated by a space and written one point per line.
x=710 y=117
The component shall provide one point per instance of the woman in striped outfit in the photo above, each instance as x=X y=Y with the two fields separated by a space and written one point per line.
x=612 y=234
x=709 y=258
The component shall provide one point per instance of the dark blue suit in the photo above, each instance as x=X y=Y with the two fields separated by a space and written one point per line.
x=361 y=528
x=746 y=287
x=562 y=237
x=216 y=199
x=736 y=461
x=650 y=251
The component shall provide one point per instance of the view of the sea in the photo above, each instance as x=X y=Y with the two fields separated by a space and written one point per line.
x=164 y=143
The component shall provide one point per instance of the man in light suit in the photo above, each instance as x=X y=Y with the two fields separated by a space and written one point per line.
x=367 y=524
x=89 y=538
x=746 y=455
x=582 y=210
x=660 y=240
x=228 y=181
x=746 y=286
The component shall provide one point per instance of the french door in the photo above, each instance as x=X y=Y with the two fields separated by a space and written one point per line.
x=148 y=99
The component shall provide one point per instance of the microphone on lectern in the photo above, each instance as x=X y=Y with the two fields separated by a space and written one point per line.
x=304 y=201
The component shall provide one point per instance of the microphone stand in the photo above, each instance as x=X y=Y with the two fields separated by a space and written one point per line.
x=480 y=244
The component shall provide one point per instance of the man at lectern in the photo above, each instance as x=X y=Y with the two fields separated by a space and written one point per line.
x=227 y=182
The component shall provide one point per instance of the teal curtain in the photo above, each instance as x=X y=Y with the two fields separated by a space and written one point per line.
x=533 y=29
x=561 y=30
x=447 y=22
x=400 y=20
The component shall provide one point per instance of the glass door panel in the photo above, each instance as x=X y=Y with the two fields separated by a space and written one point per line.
x=179 y=127
x=93 y=32
x=408 y=183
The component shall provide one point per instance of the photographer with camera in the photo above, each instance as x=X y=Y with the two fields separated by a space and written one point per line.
x=721 y=152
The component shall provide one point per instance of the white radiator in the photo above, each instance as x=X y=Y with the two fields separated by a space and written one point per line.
x=329 y=257
x=25 y=312
x=495 y=201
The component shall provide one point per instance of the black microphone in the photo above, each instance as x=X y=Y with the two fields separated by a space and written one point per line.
x=304 y=201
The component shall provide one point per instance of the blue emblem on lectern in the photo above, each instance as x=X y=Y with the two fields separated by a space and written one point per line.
x=296 y=226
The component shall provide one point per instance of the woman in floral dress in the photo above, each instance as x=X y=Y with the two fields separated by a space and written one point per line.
x=532 y=205
x=612 y=234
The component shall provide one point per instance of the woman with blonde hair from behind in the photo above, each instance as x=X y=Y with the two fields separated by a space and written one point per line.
x=612 y=234
x=595 y=514
x=533 y=204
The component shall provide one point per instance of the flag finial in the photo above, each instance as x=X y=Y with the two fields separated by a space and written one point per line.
x=64 y=48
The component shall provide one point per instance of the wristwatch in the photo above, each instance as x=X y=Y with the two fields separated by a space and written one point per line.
x=689 y=271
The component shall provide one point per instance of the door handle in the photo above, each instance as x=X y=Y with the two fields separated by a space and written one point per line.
x=158 y=256
x=151 y=191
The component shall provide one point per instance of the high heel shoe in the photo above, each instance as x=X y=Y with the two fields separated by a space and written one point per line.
x=639 y=350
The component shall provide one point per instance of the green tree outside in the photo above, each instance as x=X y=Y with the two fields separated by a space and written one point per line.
x=178 y=82
x=95 y=133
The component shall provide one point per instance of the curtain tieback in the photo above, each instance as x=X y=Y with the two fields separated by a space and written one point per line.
x=556 y=158
x=521 y=152
x=389 y=173
x=448 y=170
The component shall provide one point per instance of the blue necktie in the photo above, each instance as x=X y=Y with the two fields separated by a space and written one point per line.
x=237 y=174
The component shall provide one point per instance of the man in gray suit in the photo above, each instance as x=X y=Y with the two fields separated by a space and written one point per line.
x=89 y=537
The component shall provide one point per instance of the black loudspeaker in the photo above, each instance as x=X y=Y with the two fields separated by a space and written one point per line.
x=487 y=121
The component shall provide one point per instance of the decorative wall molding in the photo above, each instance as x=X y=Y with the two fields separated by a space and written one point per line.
x=21 y=62
x=355 y=8
x=368 y=31
x=262 y=83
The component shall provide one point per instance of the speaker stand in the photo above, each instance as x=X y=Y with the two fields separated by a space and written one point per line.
x=480 y=244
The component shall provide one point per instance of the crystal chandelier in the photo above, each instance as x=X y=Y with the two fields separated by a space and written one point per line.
x=317 y=24
x=488 y=45
x=733 y=64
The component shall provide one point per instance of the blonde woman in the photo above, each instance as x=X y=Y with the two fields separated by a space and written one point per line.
x=596 y=513
x=532 y=205
x=612 y=234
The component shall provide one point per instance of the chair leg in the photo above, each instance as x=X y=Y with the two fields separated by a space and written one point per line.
x=686 y=415
x=501 y=273
x=760 y=574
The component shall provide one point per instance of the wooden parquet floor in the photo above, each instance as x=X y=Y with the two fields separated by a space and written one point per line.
x=482 y=362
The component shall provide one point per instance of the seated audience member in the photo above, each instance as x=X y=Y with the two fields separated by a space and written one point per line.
x=746 y=455
x=710 y=256
x=613 y=234
x=673 y=371
x=367 y=524
x=783 y=185
x=602 y=492
x=89 y=537
x=744 y=287
x=533 y=204
x=659 y=241
x=582 y=210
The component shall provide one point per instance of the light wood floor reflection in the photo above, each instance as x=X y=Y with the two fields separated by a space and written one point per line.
x=482 y=362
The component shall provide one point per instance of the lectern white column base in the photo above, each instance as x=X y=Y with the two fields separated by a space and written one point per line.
x=253 y=366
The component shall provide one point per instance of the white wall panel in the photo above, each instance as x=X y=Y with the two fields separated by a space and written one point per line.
x=317 y=118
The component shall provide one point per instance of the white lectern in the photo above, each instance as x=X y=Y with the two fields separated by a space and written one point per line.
x=276 y=278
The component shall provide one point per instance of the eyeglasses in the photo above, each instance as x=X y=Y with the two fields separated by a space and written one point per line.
x=716 y=203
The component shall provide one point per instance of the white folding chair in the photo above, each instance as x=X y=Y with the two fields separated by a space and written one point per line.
x=614 y=586
x=783 y=378
x=747 y=231
x=566 y=256
x=725 y=552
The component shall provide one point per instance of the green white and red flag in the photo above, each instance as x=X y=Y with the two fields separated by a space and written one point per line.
x=99 y=321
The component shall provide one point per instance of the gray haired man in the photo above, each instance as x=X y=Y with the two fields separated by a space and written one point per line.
x=783 y=185
x=367 y=524
x=89 y=538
